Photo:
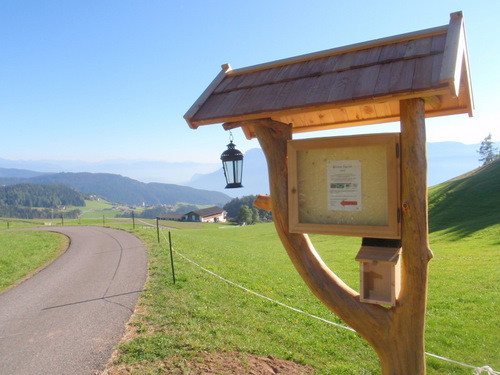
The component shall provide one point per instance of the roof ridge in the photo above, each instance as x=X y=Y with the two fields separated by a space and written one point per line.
x=320 y=74
x=208 y=209
x=339 y=50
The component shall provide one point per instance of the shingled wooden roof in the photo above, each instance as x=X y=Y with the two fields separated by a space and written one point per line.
x=209 y=211
x=355 y=85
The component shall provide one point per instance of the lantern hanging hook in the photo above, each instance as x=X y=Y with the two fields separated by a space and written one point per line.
x=230 y=136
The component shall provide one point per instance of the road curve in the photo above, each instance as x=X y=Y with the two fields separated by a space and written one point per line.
x=67 y=318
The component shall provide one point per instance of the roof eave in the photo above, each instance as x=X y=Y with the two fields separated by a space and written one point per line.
x=226 y=68
x=455 y=57
x=443 y=89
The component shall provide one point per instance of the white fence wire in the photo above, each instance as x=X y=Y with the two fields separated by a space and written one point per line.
x=478 y=370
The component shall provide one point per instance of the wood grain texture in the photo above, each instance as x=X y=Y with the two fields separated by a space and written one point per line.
x=263 y=202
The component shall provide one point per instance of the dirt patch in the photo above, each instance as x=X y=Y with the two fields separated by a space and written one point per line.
x=204 y=362
x=222 y=363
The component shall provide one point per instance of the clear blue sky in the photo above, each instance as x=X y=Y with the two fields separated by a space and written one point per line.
x=95 y=80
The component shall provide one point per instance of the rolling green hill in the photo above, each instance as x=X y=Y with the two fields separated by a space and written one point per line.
x=31 y=201
x=40 y=195
x=467 y=203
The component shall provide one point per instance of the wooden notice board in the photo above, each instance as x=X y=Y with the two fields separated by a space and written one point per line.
x=345 y=185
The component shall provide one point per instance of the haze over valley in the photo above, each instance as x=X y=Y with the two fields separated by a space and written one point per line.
x=446 y=160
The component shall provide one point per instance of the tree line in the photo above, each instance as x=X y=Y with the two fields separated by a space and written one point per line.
x=242 y=211
x=39 y=201
x=239 y=210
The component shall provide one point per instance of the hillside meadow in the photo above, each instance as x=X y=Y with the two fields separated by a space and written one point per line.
x=201 y=313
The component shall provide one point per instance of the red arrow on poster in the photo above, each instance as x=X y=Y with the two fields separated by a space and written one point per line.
x=349 y=203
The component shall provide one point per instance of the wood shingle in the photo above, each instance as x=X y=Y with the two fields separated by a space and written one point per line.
x=348 y=86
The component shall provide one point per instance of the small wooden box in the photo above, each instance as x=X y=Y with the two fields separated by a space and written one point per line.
x=380 y=274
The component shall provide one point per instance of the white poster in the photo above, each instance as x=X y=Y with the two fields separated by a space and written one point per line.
x=344 y=185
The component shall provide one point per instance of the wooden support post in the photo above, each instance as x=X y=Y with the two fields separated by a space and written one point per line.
x=404 y=346
x=409 y=322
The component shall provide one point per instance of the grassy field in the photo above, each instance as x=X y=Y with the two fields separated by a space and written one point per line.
x=96 y=209
x=21 y=253
x=201 y=312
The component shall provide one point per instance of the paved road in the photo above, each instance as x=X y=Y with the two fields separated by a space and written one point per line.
x=67 y=318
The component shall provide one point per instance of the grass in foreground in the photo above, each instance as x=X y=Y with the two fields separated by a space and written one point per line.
x=21 y=253
x=201 y=312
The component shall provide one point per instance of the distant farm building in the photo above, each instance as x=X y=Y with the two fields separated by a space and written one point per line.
x=206 y=215
x=176 y=217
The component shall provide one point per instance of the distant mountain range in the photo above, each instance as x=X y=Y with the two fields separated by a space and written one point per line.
x=117 y=188
x=446 y=160
x=141 y=170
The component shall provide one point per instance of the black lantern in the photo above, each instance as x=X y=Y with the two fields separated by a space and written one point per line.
x=232 y=161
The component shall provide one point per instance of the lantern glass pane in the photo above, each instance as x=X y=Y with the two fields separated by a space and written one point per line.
x=229 y=171
x=238 y=166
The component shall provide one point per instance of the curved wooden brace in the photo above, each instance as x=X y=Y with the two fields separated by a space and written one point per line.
x=368 y=320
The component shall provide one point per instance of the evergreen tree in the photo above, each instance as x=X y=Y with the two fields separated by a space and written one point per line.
x=488 y=152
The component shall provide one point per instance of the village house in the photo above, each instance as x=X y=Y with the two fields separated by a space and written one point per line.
x=207 y=215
